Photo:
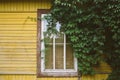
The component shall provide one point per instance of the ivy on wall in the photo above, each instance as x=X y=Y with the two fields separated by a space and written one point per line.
x=93 y=27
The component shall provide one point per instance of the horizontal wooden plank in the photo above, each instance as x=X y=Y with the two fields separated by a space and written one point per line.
x=17 y=52
x=18 y=32
x=17 y=69
x=16 y=72
x=24 y=5
x=103 y=67
x=18 y=38
x=10 y=45
x=10 y=62
x=20 y=68
x=17 y=62
x=20 y=35
x=22 y=49
x=19 y=59
x=17 y=41
x=17 y=65
x=18 y=55
x=18 y=15
x=12 y=50
x=13 y=72
x=18 y=21
x=18 y=27
x=33 y=77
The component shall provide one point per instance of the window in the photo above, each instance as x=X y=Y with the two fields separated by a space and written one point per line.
x=56 y=56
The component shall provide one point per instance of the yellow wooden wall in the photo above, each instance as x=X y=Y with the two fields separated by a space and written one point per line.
x=33 y=77
x=17 y=43
x=18 y=40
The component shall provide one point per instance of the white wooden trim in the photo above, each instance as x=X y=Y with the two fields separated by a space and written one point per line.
x=64 y=57
x=43 y=26
x=53 y=52
x=59 y=70
x=42 y=45
x=57 y=43
x=75 y=64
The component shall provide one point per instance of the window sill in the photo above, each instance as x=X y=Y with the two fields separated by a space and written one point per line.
x=60 y=70
x=57 y=74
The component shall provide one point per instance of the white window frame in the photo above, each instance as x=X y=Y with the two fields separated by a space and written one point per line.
x=43 y=29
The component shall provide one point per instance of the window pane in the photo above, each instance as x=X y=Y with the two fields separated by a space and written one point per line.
x=59 y=42
x=59 y=57
x=59 y=38
x=70 y=57
x=47 y=38
x=49 y=57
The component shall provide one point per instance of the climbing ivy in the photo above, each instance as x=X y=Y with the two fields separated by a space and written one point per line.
x=93 y=27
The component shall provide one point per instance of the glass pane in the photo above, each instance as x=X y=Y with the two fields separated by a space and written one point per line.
x=59 y=38
x=59 y=57
x=70 y=57
x=49 y=57
x=47 y=38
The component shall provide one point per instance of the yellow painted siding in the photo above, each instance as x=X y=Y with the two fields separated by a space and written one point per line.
x=18 y=35
x=18 y=41
x=23 y=5
x=33 y=77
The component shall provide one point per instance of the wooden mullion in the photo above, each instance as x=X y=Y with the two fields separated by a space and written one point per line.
x=54 y=53
x=64 y=57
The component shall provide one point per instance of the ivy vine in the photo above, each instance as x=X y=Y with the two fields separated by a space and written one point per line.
x=93 y=27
